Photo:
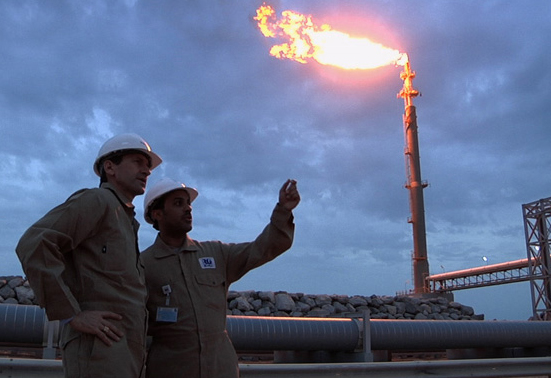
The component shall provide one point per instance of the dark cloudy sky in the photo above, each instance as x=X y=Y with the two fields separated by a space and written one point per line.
x=195 y=79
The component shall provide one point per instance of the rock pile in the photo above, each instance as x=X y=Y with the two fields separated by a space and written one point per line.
x=16 y=290
x=268 y=303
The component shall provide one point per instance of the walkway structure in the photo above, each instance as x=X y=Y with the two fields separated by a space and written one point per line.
x=536 y=268
x=489 y=275
x=537 y=228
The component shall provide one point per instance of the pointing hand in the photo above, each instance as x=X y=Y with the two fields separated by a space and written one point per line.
x=288 y=195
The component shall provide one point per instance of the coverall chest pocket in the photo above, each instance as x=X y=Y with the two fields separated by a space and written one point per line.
x=213 y=290
x=113 y=258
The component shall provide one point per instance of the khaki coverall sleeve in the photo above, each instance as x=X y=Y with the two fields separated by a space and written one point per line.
x=44 y=252
x=276 y=238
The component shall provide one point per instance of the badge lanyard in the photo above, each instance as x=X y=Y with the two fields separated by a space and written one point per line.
x=167 y=314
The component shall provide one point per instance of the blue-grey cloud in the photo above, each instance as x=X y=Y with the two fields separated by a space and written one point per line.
x=195 y=79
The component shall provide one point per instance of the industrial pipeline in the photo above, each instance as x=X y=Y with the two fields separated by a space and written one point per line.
x=357 y=338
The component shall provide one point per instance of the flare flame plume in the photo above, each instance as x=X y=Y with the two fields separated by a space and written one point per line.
x=306 y=41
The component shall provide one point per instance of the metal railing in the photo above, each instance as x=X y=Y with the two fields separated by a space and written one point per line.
x=502 y=367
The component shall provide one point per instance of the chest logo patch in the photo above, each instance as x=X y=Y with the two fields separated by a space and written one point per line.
x=207 y=262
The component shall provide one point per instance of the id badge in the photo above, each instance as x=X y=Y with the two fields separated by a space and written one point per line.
x=167 y=314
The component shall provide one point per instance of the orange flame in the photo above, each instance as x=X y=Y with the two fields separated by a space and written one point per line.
x=307 y=41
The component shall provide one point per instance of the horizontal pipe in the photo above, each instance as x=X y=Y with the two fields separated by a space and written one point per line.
x=22 y=324
x=273 y=333
x=27 y=325
x=458 y=334
x=268 y=333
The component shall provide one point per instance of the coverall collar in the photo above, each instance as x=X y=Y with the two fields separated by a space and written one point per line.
x=165 y=250
x=123 y=199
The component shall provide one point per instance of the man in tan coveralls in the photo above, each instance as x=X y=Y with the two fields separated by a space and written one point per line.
x=188 y=281
x=82 y=261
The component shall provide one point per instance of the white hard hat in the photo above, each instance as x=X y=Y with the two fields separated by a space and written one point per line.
x=126 y=142
x=161 y=188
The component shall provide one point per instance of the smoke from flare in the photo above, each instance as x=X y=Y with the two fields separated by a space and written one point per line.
x=307 y=41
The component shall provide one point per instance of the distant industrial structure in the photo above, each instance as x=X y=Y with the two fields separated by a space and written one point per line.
x=414 y=184
x=536 y=268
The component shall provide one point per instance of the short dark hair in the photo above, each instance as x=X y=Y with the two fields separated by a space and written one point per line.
x=116 y=158
x=157 y=204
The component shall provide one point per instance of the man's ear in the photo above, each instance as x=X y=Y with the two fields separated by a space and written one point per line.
x=108 y=167
x=156 y=214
